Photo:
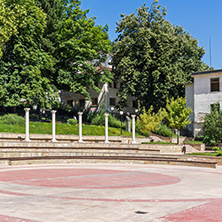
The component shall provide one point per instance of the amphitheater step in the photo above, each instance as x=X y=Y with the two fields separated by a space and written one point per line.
x=113 y=159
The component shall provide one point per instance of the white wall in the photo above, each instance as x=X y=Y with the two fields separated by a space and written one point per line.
x=203 y=97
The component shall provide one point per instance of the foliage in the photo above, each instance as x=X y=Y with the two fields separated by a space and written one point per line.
x=153 y=58
x=46 y=46
x=218 y=150
x=23 y=61
x=12 y=119
x=61 y=128
x=212 y=127
x=72 y=121
x=149 y=120
x=177 y=113
x=163 y=130
x=199 y=138
x=203 y=154
x=8 y=24
x=194 y=142
x=81 y=46
x=99 y=119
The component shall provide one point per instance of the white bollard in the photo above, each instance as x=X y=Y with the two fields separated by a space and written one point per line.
x=106 y=127
x=27 y=124
x=53 y=126
x=80 y=127
x=133 y=129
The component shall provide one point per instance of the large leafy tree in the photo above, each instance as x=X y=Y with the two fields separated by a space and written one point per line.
x=49 y=45
x=81 y=46
x=24 y=61
x=77 y=44
x=153 y=58
x=7 y=25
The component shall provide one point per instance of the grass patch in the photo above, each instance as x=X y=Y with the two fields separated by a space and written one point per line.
x=63 y=129
x=204 y=154
x=194 y=142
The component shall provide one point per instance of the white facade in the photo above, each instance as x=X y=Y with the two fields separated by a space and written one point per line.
x=205 y=91
x=107 y=96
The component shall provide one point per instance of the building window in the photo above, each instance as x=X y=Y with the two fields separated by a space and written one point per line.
x=112 y=101
x=115 y=85
x=214 y=85
x=135 y=104
x=70 y=103
x=94 y=102
x=82 y=102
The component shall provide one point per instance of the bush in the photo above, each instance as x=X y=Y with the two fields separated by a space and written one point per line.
x=113 y=122
x=72 y=121
x=199 y=138
x=12 y=119
x=98 y=119
x=218 y=150
x=149 y=120
x=163 y=130
x=213 y=127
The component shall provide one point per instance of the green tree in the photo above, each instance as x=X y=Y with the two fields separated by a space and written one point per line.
x=177 y=114
x=81 y=46
x=148 y=121
x=8 y=24
x=23 y=60
x=153 y=58
x=212 y=127
x=54 y=46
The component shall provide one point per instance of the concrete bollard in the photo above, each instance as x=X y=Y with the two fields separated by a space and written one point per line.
x=80 y=127
x=53 y=126
x=106 y=127
x=27 y=124
x=133 y=129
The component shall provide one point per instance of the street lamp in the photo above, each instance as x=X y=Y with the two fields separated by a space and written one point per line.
x=121 y=119
x=112 y=109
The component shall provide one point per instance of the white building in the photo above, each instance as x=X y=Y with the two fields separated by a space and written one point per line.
x=107 y=96
x=201 y=95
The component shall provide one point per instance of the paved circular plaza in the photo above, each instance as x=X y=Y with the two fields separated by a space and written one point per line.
x=110 y=192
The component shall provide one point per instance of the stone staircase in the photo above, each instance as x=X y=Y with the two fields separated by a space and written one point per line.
x=68 y=150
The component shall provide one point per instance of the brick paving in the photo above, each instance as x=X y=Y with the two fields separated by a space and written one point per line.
x=110 y=192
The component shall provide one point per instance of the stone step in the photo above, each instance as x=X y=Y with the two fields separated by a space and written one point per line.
x=82 y=149
x=65 y=145
x=83 y=153
x=113 y=159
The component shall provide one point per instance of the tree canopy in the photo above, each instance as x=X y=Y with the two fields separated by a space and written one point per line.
x=48 y=46
x=153 y=58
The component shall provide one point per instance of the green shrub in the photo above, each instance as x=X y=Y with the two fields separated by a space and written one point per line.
x=72 y=121
x=199 y=138
x=98 y=119
x=12 y=119
x=219 y=150
x=213 y=127
x=113 y=122
x=149 y=120
x=163 y=130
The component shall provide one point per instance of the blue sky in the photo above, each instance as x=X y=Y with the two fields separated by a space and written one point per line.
x=201 y=18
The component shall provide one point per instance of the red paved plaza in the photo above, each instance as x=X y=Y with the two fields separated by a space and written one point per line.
x=110 y=192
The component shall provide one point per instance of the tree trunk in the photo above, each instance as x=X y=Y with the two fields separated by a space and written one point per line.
x=39 y=112
x=178 y=138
